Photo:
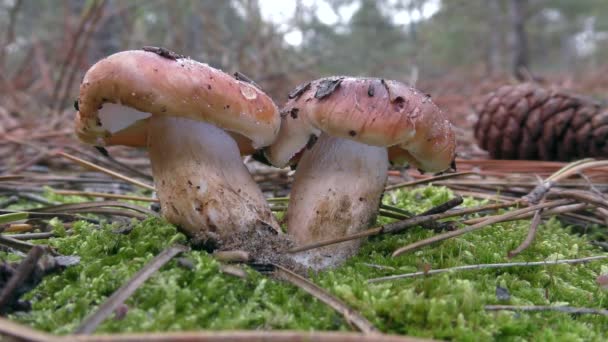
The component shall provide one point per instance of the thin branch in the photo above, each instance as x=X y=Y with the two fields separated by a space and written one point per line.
x=119 y=296
x=485 y=266
x=565 y=309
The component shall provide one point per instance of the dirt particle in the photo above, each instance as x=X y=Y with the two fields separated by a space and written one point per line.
x=166 y=53
x=399 y=103
x=264 y=245
x=294 y=113
x=299 y=90
x=175 y=210
x=327 y=86
x=370 y=90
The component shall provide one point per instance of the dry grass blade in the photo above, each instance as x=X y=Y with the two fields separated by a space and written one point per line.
x=484 y=223
x=106 y=171
x=565 y=309
x=23 y=271
x=104 y=195
x=119 y=296
x=351 y=316
x=486 y=266
x=428 y=180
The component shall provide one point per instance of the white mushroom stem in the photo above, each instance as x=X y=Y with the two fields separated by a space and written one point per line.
x=202 y=184
x=336 y=191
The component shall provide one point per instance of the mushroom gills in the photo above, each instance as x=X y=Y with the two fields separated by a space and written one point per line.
x=336 y=192
x=202 y=184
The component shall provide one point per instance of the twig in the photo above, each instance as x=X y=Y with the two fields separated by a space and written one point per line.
x=351 y=316
x=566 y=309
x=484 y=266
x=106 y=171
x=530 y=237
x=22 y=273
x=19 y=332
x=390 y=228
x=119 y=296
x=488 y=221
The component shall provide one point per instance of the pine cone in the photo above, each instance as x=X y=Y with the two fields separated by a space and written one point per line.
x=526 y=121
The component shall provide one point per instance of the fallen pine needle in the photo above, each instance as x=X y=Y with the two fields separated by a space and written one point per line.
x=350 y=315
x=565 y=309
x=119 y=296
x=483 y=266
x=428 y=180
x=530 y=237
x=491 y=220
x=114 y=174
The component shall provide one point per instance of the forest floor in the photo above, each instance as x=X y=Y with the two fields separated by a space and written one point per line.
x=72 y=209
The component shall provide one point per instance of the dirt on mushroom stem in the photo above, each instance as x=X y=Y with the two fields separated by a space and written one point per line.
x=264 y=246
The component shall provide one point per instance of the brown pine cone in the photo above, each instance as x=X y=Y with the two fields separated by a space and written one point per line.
x=527 y=121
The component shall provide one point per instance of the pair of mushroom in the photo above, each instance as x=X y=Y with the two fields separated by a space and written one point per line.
x=197 y=121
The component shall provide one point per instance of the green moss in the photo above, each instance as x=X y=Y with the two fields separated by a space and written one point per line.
x=446 y=306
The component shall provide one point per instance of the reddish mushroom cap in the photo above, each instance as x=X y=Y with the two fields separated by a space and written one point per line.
x=161 y=83
x=371 y=111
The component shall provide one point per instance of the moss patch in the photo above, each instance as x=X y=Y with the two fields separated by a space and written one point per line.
x=446 y=306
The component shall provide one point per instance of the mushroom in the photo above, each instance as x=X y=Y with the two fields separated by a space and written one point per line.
x=196 y=121
x=342 y=132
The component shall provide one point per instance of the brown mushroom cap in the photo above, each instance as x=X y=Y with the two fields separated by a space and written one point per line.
x=376 y=112
x=162 y=83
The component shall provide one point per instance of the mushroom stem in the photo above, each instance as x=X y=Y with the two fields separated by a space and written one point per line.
x=336 y=191
x=202 y=184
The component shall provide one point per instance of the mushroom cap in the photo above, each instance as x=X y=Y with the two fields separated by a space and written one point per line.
x=162 y=83
x=372 y=111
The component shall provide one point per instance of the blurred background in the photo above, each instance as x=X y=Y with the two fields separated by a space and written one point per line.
x=455 y=50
